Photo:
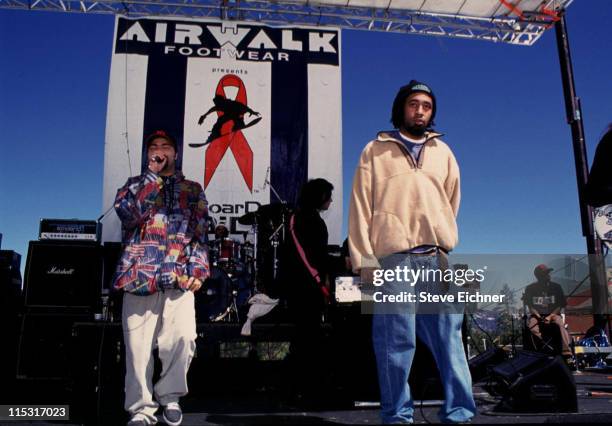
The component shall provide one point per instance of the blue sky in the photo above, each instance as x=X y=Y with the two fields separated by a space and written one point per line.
x=501 y=108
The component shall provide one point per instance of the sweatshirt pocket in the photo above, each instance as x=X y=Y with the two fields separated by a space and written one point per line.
x=387 y=234
x=446 y=228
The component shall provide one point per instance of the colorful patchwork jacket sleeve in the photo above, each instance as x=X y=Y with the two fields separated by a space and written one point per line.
x=135 y=201
x=197 y=250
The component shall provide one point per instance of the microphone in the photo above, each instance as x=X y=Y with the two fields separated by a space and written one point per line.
x=157 y=159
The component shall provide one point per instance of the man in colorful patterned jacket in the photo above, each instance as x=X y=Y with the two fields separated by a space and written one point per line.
x=164 y=221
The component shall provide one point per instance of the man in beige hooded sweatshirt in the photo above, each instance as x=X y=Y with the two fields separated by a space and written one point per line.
x=403 y=208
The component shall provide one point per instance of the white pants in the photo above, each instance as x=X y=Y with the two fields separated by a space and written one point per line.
x=166 y=321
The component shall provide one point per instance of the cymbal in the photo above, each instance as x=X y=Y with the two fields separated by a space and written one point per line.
x=249 y=219
x=264 y=214
x=273 y=208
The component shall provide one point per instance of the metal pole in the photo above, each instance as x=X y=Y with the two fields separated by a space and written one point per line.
x=573 y=109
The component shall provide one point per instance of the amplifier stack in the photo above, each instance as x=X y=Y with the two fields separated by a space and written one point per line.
x=63 y=285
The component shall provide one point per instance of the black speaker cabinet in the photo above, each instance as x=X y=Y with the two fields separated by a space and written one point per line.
x=536 y=383
x=98 y=374
x=63 y=275
x=10 y=275
x=357 y=371
x=45 y=345
x=481 y=364
x=10 y=306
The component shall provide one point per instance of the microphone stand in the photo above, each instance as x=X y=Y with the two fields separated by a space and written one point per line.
x=274 y=238
x=103 y=215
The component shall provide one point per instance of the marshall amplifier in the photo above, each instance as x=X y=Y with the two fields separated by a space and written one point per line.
x=63 y=274
x=69 y=230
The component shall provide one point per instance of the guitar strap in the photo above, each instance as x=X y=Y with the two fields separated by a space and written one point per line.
x=300 y=249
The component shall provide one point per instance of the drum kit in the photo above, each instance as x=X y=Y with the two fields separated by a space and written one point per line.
x=240 y=269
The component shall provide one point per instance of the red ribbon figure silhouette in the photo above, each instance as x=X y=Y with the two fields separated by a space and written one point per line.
x=227 y=131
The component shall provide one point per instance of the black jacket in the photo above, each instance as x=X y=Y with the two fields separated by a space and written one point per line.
x=311 y=233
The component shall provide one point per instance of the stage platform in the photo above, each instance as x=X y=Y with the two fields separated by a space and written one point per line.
x=263 y=410
x=240 y=380
x=266 y=407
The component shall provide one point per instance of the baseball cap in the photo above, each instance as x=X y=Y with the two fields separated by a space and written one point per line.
x=160 y=134
x=542 y=269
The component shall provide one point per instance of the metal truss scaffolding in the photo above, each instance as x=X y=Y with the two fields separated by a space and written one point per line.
x=518 y=22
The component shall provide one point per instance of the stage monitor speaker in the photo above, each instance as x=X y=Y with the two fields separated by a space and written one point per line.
x=535 y=383
x=45 y=345
x=61 y=274
x=481 y=364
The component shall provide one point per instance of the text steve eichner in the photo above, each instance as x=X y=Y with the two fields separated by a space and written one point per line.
x=426 y=297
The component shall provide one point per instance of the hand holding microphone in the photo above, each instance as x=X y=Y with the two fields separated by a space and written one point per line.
x=157 y=163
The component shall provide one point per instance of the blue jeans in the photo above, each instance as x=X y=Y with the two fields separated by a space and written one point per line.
x=394 y=338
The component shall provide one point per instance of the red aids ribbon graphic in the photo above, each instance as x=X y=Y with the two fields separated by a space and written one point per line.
x=234 y=140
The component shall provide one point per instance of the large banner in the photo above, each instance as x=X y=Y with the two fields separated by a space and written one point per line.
x=255 y=110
